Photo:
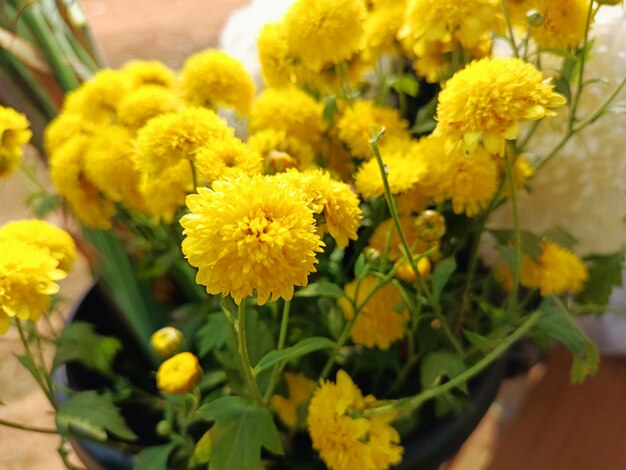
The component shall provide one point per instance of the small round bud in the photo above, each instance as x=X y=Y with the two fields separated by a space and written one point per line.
x=167 y=341
x=163 y=428
x=535 y=18
x=435 y=324
x=371 y=254
x=430 y=225
x=179 y=374
x=405 y=272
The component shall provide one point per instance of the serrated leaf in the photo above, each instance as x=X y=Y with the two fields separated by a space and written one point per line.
x=306 y=346
x=154 y=458
x=441 y=275
x=559 y=324
x=92 y=414
x=439 y=364
x=80 y=343
x=321 y=289
x=214 y=334
x=605 y=272
x=241 y=429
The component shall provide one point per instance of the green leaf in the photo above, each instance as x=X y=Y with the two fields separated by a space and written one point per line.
x=441 y=275
x=28 y=364
x=330 y=109
x=214 y=334
x=439 y=364
x=481 y=342
x=361 y=267
x=80 y=343
x=93 y=415
x=405 y=83
x=561 y=237
x=43 y=203
x=259 y=337
x=605 y=272
x=562 y=86
x=202 y=452
x=559 y=324
x=154 y=458
x=530 y=243
x=306 y=346
x=241 y=429
x=321 y=289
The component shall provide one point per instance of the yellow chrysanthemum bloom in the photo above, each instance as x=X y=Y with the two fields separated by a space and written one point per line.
x=410 y=231
x=169 y=138
x=214 y=79
x=43 y=235
x=556 y=271
x=144 y=103
x=167 y=341
x=290 y=110
x=564 y=23
x=65 y=126
x=165 y=194
x=28 y=279
x=402 y=174
x=448 y=21
x=299 y=389
x=381 y=320
x=333 y=200
x=251 y=233
x=469 y=181
x=14 y=134
x=356 y=124
x=149 y=72
x=381 y=28
x=67 y=170
x=276 y=62
x=322 y=32
x=110 y=167
x=97 y=100
x=226 y=158
x=485 y=102
x=280 y=151
x=179 y=374
x=346 y=442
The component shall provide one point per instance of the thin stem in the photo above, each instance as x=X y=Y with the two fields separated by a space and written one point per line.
x=282 y=337
x=242 y=348
x=592 y=308
x=25 y=427
x=194 y=176
x=509 y=27
x=409 y=404
x=581 y=71
x=512 y=302
x=423 y=287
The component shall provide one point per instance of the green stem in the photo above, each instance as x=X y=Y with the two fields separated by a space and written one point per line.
x=411 y=403
x=194 y=176
x=581 y=71
x=423 y=287
x=25 y=427
x=512 y=302
x=242 y=349
x=509 y=27
x=592 y=308
x=282 y=338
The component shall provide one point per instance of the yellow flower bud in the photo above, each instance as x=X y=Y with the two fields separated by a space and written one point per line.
x=167 y=341
x=431 y=226
x=180 y=374
x=405 y=272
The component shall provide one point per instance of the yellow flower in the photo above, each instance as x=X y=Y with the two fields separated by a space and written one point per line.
x=564 y=23
x=321 y=32
x=355 y=127
x=346 y=442
x=412 y=201
x=65 y=126
x=485 y=102
x=167 y=341
x=144 y=103
x=250 y=233
x=290 y=110
x=402 y=174
x=410 y=231
x=67 y=170
x=381 y=320
x=14 y=134
x=214 y=79
x=149 y=72
x=299 y=389
x=556 y=271
x=381 y=28
x=332 y=199
x=27 y=280
x=59 y=244
x=110 y=167
x=169 y=138
x=469 y=181
x=275 y=146
x=179 y=374
x=164 y=195
x=405 y=272
x=276 y=63
x=449 y=22
x=225 y=158
x=97 y=100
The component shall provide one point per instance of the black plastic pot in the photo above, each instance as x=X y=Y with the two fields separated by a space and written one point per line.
x=425 y=449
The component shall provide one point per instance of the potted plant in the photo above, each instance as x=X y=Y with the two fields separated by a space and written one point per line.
x=314 y=294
